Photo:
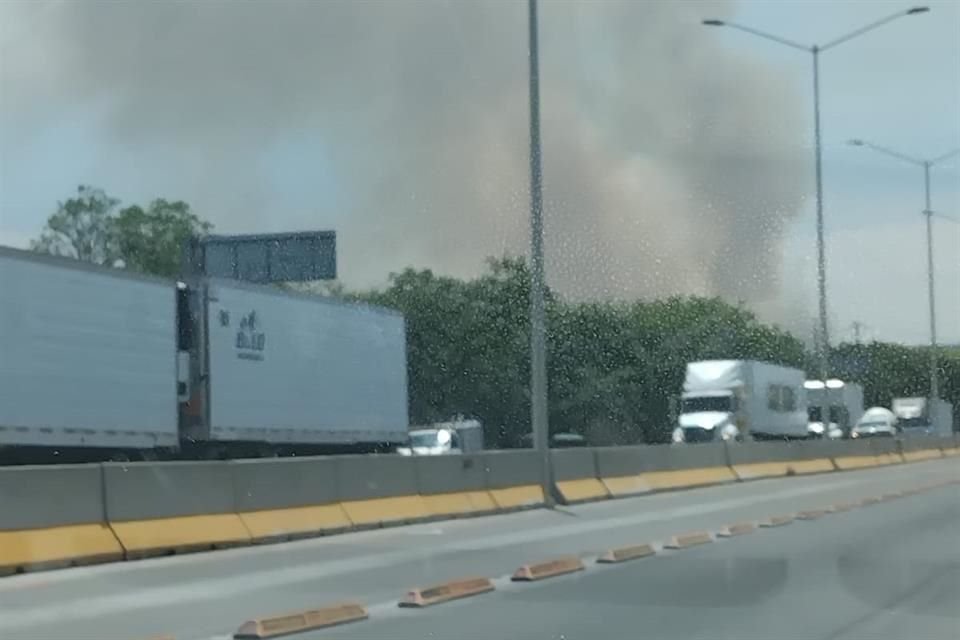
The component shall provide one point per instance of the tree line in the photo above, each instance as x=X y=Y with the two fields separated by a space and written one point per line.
x=613 y=367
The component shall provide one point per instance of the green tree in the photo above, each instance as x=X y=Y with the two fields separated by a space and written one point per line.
x=89 y=227
x=466 y=346
x=613 y=367
x=82 y=228
x=150 y=240
x=889 y=371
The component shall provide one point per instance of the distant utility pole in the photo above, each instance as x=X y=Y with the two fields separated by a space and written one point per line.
x=857 y=326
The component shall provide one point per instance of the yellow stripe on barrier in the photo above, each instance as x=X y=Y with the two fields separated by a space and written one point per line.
x=845 y=463
x=186 y=533
x=57 y=546
x=481 y=502
x=582 y=489
x=385 y=510
x=281 y=523
x=622 y=486
x=755 y=470
x=925 y=454
x=447 y=504
x=688 y=477
x=817 y=465
x=529 y=495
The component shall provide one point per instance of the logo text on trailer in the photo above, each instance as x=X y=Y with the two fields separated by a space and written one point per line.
x=251 y=341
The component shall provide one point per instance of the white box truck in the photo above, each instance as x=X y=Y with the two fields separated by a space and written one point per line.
x=741 y=399
x=923 y=416
x=845 y=402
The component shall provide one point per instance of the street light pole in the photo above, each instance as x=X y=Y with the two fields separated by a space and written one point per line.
x=928 y=214
x=823 y=344
x=823 y=348
x=538 y=332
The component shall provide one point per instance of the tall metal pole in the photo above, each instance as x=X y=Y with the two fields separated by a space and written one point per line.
x=928 y=212
x=538 y=332
x=823 y=345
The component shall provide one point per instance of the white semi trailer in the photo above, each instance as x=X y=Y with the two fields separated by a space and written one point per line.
x=97 y=361
x=845 y=402
x=740 y=399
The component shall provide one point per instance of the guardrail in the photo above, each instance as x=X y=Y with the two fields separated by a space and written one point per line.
x=67 y=515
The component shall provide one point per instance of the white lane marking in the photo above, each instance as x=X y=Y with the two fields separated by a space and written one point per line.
x=423 y=532
x=227 y=587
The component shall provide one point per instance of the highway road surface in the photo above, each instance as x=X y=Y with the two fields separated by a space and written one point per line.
x=885 y=570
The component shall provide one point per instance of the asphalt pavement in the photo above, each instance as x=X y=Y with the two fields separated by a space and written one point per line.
x=887 y=570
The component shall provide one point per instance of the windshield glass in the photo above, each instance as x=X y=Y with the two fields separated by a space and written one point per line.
x=424 y=440
x=873 y=424
x=707 y=403
x=443 y=288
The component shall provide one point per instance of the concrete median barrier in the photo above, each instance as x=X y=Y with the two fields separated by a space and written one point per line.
x=854 y=454
x=575 y=475
x=886 y=451
x=513 y=478
x=453 y=485
x=634 y=470
x=378 y=490
x=677 y=467
x=162 y=507
x=619 y=469
x=752 y=460
x=53 y=517
x=288 y=498
x=918 y=448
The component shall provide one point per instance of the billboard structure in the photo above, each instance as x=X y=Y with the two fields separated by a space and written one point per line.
x=264 y=258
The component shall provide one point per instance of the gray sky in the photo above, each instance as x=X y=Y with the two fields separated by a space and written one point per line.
x=690 y=146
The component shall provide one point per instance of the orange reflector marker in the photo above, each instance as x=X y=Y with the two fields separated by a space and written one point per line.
x=688 y=540
x=777 y=521
x=447 y=591
x=812 y=514
x=301 y=621
x=737 y=529
x=560 y=566
x=622 y=554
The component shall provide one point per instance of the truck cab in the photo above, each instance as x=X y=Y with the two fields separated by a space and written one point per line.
x=458 y=436
x=431 y=442
x=708 y=415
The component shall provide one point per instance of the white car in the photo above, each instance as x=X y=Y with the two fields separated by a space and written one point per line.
x=876 y=421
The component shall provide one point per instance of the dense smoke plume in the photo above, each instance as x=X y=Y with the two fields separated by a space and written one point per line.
x=671 y=163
